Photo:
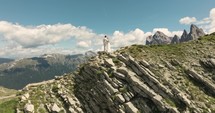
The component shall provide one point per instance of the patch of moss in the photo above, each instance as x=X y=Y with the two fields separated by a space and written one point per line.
x=99 y=72
x=171 y=103
x=41 y=110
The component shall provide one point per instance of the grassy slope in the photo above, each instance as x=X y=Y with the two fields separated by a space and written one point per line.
x=183 y=51
x=189 y=54
x=7 y=105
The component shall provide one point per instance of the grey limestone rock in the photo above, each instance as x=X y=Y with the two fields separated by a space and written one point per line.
x=175 y=40
x=194 y=34
x=55 y=108
x=160 y=38
x=109 y=62
x=184 y=36
x=130 y=108
x=197 y=77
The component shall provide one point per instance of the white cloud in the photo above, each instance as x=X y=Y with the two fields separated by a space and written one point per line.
x=187 y=20
x=84 y=44
x=167 y=32
x=207 y=23
x=203 y=21
x=39 y=40
x=212 y=24
x=34 y=36
x=120 y=39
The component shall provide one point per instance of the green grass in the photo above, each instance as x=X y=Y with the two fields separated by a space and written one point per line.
x=8 y=106
x=182 y=51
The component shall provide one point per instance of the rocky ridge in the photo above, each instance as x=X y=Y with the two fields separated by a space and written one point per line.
x=135 y=79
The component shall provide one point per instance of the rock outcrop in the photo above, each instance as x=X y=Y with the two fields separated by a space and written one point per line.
x=149 y=40
x=194 y=34
x=175 y=40
x=29 y=108
x=184 y=37
x=160 y=38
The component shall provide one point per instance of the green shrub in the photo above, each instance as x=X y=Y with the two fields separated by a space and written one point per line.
x=55 y=88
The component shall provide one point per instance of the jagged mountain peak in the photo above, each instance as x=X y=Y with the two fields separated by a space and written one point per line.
x=194 y=34
x=175 y=39
x=160 y=38
x=185 y=32
x=148 y=40
x=195 y=30
x=159 y=33
x=176 y=36
x=184 y=36
x=193 y=26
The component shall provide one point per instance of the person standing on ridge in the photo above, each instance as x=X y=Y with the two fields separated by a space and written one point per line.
x=106 y=44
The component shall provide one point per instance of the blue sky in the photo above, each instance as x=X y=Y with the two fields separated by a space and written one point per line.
x=105 y=16
x=111 y=17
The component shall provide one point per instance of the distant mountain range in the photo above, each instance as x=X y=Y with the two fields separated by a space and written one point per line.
x=5 y=60
x=161 y=38
x=18 y=73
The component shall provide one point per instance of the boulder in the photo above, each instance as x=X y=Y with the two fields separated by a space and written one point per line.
x=199 y=78
x=110 y=87
x=120 y=98
x=25 y=97
x=29 y=108
x=145 y=64
x=130 y=108
x=55 y=108
x=109 y=62
x=119 y=75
